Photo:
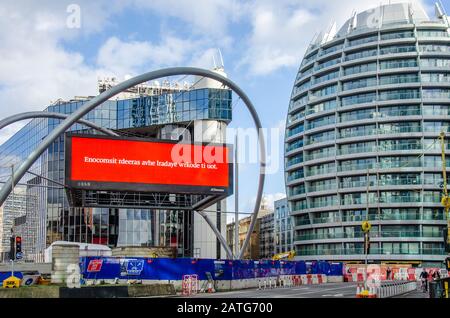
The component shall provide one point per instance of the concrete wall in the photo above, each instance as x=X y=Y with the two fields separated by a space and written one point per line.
x=62 y=257
x=89 y=292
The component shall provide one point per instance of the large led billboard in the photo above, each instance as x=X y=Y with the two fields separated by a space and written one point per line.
x=147 y=165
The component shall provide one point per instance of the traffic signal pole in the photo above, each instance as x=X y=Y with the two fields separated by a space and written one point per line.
x=445 y=201
x=13 y=246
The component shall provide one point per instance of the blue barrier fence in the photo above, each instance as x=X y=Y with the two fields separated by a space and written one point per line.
x=174 y=269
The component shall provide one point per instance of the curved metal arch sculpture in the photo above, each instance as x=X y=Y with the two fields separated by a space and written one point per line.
x=42 y=114
x=96 y=101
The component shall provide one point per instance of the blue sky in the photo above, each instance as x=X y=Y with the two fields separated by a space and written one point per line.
x=262 y=43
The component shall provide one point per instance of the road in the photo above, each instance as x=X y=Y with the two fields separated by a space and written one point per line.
x=330 y=290
x=335 y=290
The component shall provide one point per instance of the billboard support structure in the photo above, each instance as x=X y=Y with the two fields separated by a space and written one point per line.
x=153 y=75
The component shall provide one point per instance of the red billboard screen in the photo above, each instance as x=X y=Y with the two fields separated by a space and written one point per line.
x=134 y=164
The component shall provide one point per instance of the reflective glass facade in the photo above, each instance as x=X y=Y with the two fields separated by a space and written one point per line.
x=140 y=116
x=283 y=227
x=372 y=152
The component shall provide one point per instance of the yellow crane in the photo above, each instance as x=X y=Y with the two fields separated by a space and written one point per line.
x=445 y=200
x=286 y=255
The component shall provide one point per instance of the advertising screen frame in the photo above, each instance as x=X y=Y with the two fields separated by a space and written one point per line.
x=144 y=187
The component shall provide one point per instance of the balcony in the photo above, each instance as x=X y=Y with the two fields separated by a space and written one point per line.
x=360 y=235
x=372 y=251
x=322 y=187
x=353 y=150
x=358 y=133
x=400 y=129
x=358 y=166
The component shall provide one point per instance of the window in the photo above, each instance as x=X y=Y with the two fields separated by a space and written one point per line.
x=361 y=54
x=434 y=48
x=356 y=131
x=432 y=33
x=358 y=114
x=437 y=93
x=436 y=77
x=321 y=185
x=397 y=49
x=295 y=130
x=326 y=77
x=389 y=64
x=403 y=110
x=328 y=90
x=322 y=121
x=397 y=35
x=359 y=99
x=328 y=105
x=364 y=40
x=331 y=49
x=362 y=68
x=399 y=79
x=328 y=63
x=321 y=137
x=360 y=83
x=321 y=153
x=435 y=62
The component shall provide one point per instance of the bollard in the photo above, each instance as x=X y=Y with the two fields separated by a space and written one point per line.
x=265 y=282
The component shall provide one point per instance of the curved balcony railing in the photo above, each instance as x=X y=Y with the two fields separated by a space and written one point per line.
x=372 y=251
x=373 y=234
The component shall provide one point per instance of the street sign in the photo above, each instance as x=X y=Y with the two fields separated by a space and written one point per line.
x=19 y=255
x=95 y=265
x=366 y=226
x=11 y=282
x=135 y=267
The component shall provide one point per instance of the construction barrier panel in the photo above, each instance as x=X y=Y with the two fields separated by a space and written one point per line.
x=108 y=268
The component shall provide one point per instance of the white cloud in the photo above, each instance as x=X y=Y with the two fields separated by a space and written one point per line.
x=121 y=57
x=282 y=30
x=267 y=200
x=209 y=18
x=34 y=67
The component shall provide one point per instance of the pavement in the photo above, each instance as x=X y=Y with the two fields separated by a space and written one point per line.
x=329 y=290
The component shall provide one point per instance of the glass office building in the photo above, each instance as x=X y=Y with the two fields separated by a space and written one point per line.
x=151 y=116
x=367 y=107
x=283 y=227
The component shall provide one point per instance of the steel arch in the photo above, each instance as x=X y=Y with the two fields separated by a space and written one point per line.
x=96 y=101
x=42 y=114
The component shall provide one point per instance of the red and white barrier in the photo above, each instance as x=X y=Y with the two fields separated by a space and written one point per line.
x=291 y=280
x=190 y=285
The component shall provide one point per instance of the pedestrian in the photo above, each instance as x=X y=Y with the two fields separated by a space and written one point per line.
x=388 y=273
x=436 y=275
x=424 y=278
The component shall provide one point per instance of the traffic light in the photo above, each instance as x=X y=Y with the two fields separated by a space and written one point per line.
x=12 y=248
x=18 y=244
x=447 y=263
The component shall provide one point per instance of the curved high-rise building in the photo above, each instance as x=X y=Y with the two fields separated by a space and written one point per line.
x=366 y=110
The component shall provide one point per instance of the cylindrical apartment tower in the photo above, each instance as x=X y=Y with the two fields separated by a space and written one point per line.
x=366 y=110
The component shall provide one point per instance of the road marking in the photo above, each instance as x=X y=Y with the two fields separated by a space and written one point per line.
x=300 y=288
x=318 y=291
